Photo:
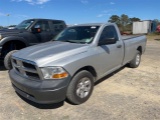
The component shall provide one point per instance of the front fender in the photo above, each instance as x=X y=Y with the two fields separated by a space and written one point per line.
x=11 y=38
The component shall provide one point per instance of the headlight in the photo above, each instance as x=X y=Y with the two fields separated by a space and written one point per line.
x=54 y=73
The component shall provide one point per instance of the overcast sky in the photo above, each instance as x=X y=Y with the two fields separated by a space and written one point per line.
x=76 y=11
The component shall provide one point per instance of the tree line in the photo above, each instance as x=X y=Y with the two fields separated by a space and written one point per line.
x=123 y=22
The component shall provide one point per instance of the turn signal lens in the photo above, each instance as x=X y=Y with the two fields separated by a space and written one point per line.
x=60 y=75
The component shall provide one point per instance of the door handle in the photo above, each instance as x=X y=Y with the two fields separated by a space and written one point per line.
x=119 y=46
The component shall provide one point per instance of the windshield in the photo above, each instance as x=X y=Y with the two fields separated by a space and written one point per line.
x=24 y=25
x=77 y=34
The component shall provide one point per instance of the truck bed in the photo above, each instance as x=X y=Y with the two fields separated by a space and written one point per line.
x=126 y=37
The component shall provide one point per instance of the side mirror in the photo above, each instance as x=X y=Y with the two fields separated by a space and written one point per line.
x=36 y=29
x=107 y=41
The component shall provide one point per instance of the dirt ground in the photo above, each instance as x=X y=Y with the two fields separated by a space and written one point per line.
x=128 y=94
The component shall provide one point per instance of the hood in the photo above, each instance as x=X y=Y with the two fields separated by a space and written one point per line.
x=9 y=32
x=50 y=51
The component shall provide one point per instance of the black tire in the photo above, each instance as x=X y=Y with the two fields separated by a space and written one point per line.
x=7 y=48
x=82 y=82
x=136 y=61
x=7 y=60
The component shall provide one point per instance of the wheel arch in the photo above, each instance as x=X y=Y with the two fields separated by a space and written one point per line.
x=89 y=69
x=19 y=43
x=140 y=49
x=11 y=44
x=14 y=38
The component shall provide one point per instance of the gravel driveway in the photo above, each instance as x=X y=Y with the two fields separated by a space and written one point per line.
x=128 y=94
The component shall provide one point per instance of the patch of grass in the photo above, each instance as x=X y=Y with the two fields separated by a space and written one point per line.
x=153 y=36
x=154 y=33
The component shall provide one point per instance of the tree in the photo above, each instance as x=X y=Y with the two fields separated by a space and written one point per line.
x=134 y=19
x=124 y=22
x=1 y=27
x=114 y=19
x=157 y=21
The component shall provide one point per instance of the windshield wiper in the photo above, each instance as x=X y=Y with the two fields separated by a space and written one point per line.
x=69 y=41
x=73 y=41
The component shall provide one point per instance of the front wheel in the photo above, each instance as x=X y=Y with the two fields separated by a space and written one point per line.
x=136 y=61
x=80 y=87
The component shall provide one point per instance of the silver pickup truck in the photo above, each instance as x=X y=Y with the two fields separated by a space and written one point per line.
x=69 y=65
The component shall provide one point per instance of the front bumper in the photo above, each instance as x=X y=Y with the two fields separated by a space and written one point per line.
x=44 y=92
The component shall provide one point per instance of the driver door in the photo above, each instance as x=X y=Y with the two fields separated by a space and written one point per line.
x=110 y=55
x=44 y=34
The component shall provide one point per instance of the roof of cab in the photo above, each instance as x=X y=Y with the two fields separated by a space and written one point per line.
x=90 y=24
x=44 y=19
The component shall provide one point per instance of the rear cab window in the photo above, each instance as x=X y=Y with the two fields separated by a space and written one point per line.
x=57 y=26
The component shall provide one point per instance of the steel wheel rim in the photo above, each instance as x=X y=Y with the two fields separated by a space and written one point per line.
x=83 y=87
x=137 y=59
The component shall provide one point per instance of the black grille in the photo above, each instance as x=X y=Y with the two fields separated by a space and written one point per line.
x=27 y=65
x=32 y=75
x=17 y=69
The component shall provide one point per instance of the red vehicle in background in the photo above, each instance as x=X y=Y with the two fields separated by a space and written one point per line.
x=158 y=28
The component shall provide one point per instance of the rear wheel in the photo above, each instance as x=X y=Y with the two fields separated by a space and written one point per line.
x=80 y=88
x=136 y=61
x=7 y=60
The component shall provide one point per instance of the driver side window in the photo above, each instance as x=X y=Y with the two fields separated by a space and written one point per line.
x=43 y=25
x=109 y=32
